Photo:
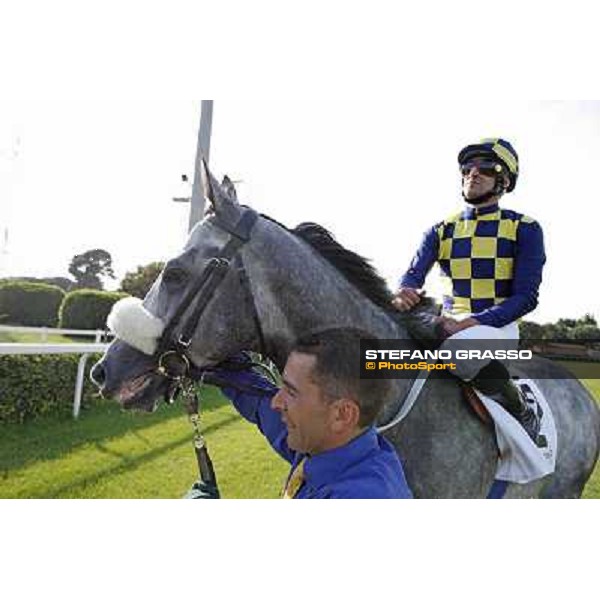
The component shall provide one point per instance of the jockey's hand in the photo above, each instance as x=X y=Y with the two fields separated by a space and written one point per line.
x=452 y=326
x=201 y=490
x=406 y=298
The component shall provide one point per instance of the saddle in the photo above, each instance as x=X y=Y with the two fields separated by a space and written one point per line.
x=520 y=460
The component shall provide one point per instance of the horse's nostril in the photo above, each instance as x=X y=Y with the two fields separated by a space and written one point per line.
x=98 y=374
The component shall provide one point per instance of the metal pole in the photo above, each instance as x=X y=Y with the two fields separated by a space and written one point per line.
x=202 y=151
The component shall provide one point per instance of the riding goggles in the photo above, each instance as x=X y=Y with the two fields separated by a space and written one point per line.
x=489 y=168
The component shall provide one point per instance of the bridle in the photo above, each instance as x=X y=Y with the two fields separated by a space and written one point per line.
x=172 y=352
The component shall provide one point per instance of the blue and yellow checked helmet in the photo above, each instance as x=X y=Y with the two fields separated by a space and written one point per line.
x=496 y=149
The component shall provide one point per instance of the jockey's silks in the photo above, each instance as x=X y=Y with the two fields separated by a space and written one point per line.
x=491 y=262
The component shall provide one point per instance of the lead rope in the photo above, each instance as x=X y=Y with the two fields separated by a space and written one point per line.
x=191 y=401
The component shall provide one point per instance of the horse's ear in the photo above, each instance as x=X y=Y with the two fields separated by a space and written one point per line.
x=229 y=188
x=222 y=197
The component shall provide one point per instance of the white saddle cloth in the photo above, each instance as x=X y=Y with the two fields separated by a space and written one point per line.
x=520 y=460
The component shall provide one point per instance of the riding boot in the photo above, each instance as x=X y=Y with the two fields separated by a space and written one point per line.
x=512 y=399
x=507 y=394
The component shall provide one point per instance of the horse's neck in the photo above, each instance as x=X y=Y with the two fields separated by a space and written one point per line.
x=299 y=291
x=296 y=291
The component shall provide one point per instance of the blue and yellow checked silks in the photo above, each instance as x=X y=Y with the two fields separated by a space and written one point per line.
x=490 y=260
x=476 y=257
x=295 y=481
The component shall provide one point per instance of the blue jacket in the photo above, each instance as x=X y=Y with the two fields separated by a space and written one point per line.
x=366 y=467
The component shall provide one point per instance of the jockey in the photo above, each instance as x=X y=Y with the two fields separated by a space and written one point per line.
x=491 y=262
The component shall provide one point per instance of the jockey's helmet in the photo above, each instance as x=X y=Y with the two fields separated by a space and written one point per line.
x=496 y=149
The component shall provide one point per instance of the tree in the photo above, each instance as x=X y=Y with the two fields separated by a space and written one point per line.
x=139 y=282
x=568 y=323
x=587 y=319
x=529 y=330
x=87 y=268
x=587 y=333
x=554 y=332
x=584 y=329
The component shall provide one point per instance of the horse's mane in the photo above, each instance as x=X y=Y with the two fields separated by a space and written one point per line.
x=356 y=269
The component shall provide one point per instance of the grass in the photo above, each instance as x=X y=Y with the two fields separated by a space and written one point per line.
x=109 y=453
x=592 y=488
x=594 y=386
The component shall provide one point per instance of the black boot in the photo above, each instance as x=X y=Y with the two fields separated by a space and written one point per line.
x=494 y=381
x=529 y=414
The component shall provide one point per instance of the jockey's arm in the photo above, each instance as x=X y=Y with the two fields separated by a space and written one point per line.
x=407 y=295
x=527 y=277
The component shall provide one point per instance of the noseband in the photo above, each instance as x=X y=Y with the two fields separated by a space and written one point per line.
x=172 y=353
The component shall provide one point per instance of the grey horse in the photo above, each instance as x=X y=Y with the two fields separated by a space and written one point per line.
x=303 y=280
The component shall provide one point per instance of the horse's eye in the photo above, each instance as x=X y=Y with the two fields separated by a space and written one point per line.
x=175 y=276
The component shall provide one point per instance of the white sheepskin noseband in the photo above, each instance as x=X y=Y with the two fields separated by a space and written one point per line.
x=133 y=324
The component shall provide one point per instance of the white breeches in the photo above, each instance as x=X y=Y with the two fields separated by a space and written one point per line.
x=480 y=337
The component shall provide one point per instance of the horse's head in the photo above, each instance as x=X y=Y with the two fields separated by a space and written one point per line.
x=199 y=311
x=241 y=282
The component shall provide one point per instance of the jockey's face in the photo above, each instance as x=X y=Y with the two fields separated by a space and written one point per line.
x=475 y=183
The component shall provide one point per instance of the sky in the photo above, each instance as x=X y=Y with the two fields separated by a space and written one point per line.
x=95 y=133
x=83 y=173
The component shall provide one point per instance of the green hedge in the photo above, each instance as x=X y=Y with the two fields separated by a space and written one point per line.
x=30 y=304
x=34 y=385
x=87 y=309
